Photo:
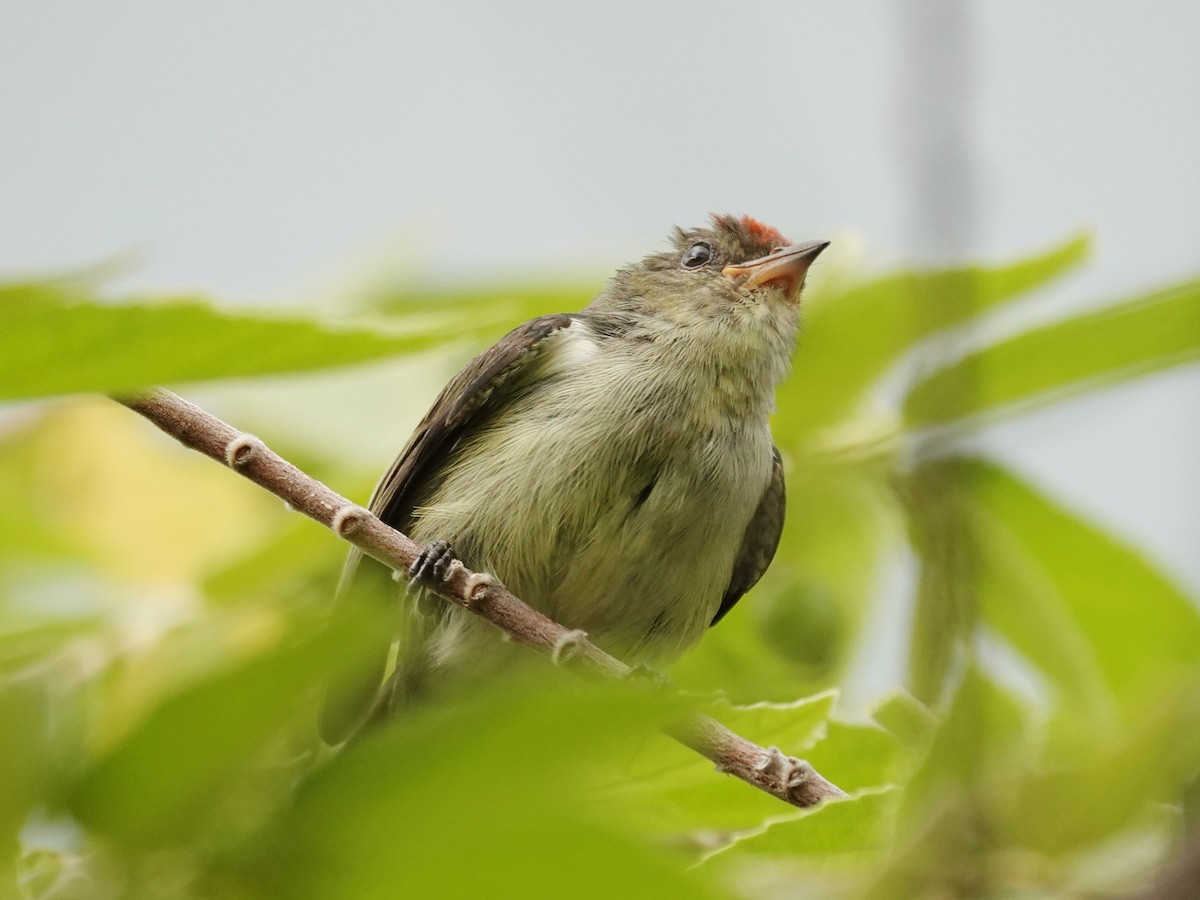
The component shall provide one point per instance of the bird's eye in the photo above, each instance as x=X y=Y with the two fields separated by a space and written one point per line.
x=697 y=255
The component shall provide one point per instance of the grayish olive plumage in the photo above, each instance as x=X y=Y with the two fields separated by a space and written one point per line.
x=614 y=467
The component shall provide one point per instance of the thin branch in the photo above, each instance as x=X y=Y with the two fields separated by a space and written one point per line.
x=791 y=780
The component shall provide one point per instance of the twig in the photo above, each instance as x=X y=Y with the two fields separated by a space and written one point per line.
x=791 y=780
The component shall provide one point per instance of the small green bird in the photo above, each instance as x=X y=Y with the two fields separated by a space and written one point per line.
x=614 y=468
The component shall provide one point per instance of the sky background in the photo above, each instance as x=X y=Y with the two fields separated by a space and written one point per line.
x=284 y=154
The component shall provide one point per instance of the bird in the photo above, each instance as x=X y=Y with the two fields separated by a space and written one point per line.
x=613 y=467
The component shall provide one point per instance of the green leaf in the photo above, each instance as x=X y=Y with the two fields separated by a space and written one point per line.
x=983 y=735
x=683 y=794
x=163 y=783
x=1077 y=603
x=1071 y=357
x=857 y=757
x=518 y=302
x=28 y=529
x=25 y=715
x=492 y=796
x=973 y=571
x=833 y=560
x=1072 y=801
x=299 y=557
x=945 y=612
x=482 y=313
x=945 y=811
x=845 y=826
x=674 y=790
x=904 y=717
x=1021 y=604
x=58 y=339
x=1136 y=624
x=852 y=337
x=788 y=635
x=793 y=727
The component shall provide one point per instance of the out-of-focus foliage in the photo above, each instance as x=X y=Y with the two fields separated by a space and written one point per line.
x=162 y=636
x=59 y=339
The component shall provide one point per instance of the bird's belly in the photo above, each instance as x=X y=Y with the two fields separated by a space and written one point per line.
x=629 y=534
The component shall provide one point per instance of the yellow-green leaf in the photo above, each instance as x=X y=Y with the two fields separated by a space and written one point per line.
x=58 y=339
x=850 y=338
x=1071 y=357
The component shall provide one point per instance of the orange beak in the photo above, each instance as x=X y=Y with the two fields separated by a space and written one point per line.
x=785 y=267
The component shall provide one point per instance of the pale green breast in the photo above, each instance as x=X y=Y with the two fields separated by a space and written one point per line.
x=610 y=494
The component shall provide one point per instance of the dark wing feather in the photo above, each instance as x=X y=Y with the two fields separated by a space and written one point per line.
x=761 y=540
x=463 y=406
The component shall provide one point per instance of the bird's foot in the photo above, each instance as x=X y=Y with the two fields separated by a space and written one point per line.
x=432 y=567
x=432 y=564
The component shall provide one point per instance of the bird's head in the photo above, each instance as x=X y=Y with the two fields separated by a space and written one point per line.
x=732 y=268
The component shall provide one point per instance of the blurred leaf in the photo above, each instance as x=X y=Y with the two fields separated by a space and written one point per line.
x=946 y=609
x=857 y=757
x=973 y=571
x=42 y=874
x=831 y=556
x=792 y=727
x=119 y=496
x=482 y=313
x=24 y=709
x=946 y=810
x=789 y=635
x=734 y=660
x=24 y=638
x=58 y=339
x=484 y=799
x=671 y=791
x=164 y=781
x=1021 y=604
x=518 y=302
x=26 y=531
x=677 y=791
x=300 y=557
x=1082 y=607
x=1080 y=354
x=983 y=724
x=1135 y=622
x=905 y=718
x=852 y=337
x=1071 y=802
x=837 y=827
